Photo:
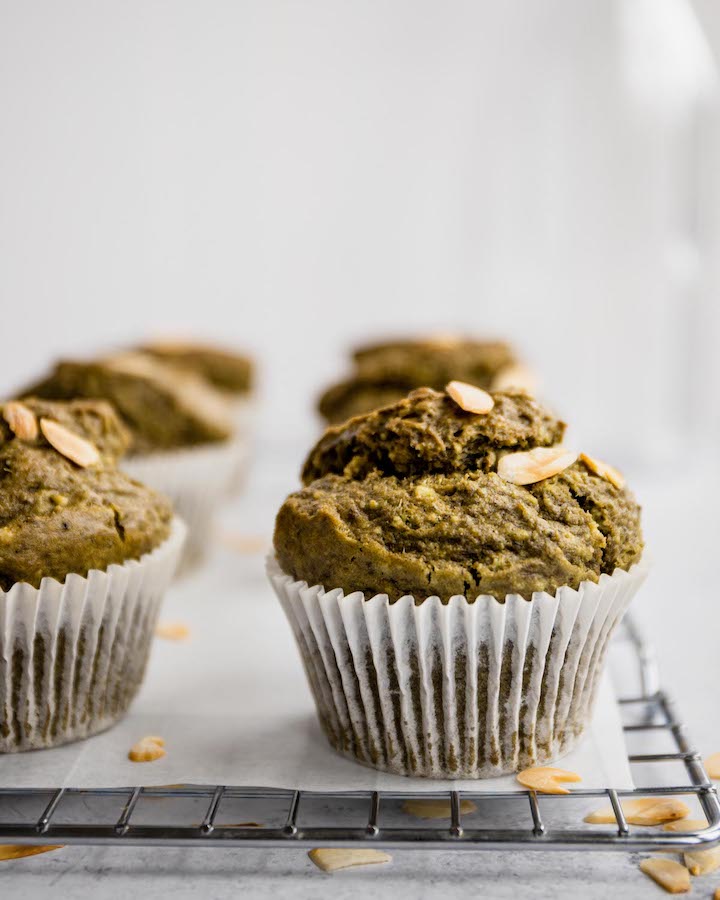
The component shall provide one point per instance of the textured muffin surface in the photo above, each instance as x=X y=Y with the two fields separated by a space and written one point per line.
x=385 y=373
x=56 y=517
x=407 y=500
x=163 y=407
x=224 y=369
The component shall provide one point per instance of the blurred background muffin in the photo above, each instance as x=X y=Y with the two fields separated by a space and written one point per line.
x=385 y=372
x=86 y=553
x=227 y=370
x=183 y=439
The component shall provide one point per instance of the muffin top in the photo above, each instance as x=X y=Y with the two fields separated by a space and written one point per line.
x=385 y=372
x=163 y=407
x=425 y=498
x=226 y=370
x=64 y=505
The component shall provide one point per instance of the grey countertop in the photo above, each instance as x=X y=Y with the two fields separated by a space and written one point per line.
x=679 y=612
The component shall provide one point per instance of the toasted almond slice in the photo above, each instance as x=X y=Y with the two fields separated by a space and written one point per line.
x=670 y=875
x=147 y=749
x=172 y=631
x=546 y=779
x=530 y=466
x=444 y=340
x=702 y=862
x=515 y=377
x=436 y=809
x=17 y=851
x=716 y=895
x=21 y=420
x=643 y=811
x=470 y=398
x=608 y=472
x=69 y=444
x=686 y=825
x=712 y=766
x=331 y=859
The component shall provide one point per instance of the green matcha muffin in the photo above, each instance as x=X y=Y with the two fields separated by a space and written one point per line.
x=85 y=555
x=163 y=407
x=182 y=438
x=385 y=372
x=452 y=574
x=227 y=370
x=232 y=374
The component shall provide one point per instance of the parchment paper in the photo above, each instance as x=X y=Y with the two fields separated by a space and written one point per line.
x=232 y=704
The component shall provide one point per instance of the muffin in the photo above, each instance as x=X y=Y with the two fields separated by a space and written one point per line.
x=386 y=372
x=452 y=575
x=85 y=556
x=182 y=438
x=229 y=372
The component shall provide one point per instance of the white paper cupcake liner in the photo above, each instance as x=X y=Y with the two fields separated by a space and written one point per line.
x=197 y=480
x=455 y=690
x=243 y=412
x=73 y=655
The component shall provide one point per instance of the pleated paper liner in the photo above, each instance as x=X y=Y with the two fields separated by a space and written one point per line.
x=73 y=655
x=458 y=689
x=198 y=480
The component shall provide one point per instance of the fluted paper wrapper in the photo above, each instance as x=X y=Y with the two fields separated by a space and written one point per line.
x=197 y=480
x=244 y=414
x=455 y=690
x=73 y=655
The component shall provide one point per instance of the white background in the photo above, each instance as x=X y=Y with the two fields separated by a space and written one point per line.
x=293 y=177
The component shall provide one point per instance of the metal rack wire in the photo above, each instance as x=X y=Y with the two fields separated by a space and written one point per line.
x=227 y=816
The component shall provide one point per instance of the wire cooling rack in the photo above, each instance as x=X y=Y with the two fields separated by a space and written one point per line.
x=662 y=760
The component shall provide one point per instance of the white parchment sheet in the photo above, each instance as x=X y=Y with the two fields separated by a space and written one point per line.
x=233 y=706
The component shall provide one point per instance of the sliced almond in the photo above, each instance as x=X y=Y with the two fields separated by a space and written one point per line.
x=69 y=444
x=712 y=766
x=608 y=472
x=147 y=749
x=643 y=811
x=436 y=809
x=670 y=875
x=444 y=340
x=331 y=859
x=716 y=895
x=686 y=825
x=17 y=851
x=515 y=377
x=702 y=862
x=546 y=779
x=470 y=398
x=172 y=631
x=21 y=420
x=530 y=466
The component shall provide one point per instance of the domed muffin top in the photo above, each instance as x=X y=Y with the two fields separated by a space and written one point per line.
x=64 y=505
x=425 y=498
x=385 y=372
x=164 y=407
x=225 y=369
x=428 y=432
